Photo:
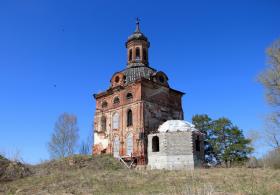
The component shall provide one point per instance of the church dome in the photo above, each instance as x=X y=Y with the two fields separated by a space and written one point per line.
x=176 y=125
x=137 y=34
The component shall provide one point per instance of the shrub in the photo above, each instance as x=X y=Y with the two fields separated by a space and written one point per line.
x=253 y=162
x=12 y=170
x=272 y=159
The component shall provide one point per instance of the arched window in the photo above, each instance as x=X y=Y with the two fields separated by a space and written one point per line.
x=161 y=79
x=155 y=144
x=103 y=123
x=197 y=144
x=145 y=54
x=129 y=144
x=104 y=104
x=137 y=53
x=129 y=118
x=130 y=55
x=117 y=79
x=116 y=121
x=116 y=147
x=116 y=100
x=129 y=96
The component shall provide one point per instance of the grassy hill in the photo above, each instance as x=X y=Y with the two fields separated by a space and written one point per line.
x=104 y=175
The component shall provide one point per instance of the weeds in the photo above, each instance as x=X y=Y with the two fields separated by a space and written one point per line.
x=104 y=175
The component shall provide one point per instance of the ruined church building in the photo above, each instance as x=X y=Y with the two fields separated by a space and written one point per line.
x=137 y=102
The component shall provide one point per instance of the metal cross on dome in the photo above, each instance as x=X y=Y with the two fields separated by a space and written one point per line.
x=137 y=25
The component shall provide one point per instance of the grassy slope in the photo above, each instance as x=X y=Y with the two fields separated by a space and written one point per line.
x=104 y=175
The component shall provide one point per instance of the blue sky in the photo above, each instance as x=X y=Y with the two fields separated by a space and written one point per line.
x=212 y=50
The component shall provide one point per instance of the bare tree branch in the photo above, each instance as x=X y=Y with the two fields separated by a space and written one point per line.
x=270 y=79
x=64 y=137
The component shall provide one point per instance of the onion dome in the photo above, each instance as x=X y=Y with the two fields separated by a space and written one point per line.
x=137 y=35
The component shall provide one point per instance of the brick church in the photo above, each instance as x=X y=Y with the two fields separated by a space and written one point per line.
x=138 y=100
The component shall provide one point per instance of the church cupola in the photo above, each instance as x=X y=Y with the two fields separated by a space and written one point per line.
x=137 y=46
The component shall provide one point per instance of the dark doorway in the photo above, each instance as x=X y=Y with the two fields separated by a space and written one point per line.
x=155 y=144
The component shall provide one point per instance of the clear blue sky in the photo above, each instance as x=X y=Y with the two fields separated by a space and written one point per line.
x=212 y=50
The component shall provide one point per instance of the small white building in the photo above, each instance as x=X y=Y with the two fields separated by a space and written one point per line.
x=177 y=145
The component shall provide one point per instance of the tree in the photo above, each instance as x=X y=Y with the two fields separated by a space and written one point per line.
x=256 y=140
x=272 y=159
x=204 y=124
x=270 y=78
x=64 y=137
x=85 y=147
x=272 y=130
x=224 y=142
x=229 y=143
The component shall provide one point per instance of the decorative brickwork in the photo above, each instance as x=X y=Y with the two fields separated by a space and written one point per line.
x=139 y=91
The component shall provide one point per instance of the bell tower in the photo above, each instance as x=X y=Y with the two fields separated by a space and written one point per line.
x=138 y=100
x=137 y=46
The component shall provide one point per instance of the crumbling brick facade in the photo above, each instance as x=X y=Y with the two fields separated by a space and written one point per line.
x=137 y=102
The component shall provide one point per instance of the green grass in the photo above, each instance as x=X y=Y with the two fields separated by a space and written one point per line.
x=104 y=175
